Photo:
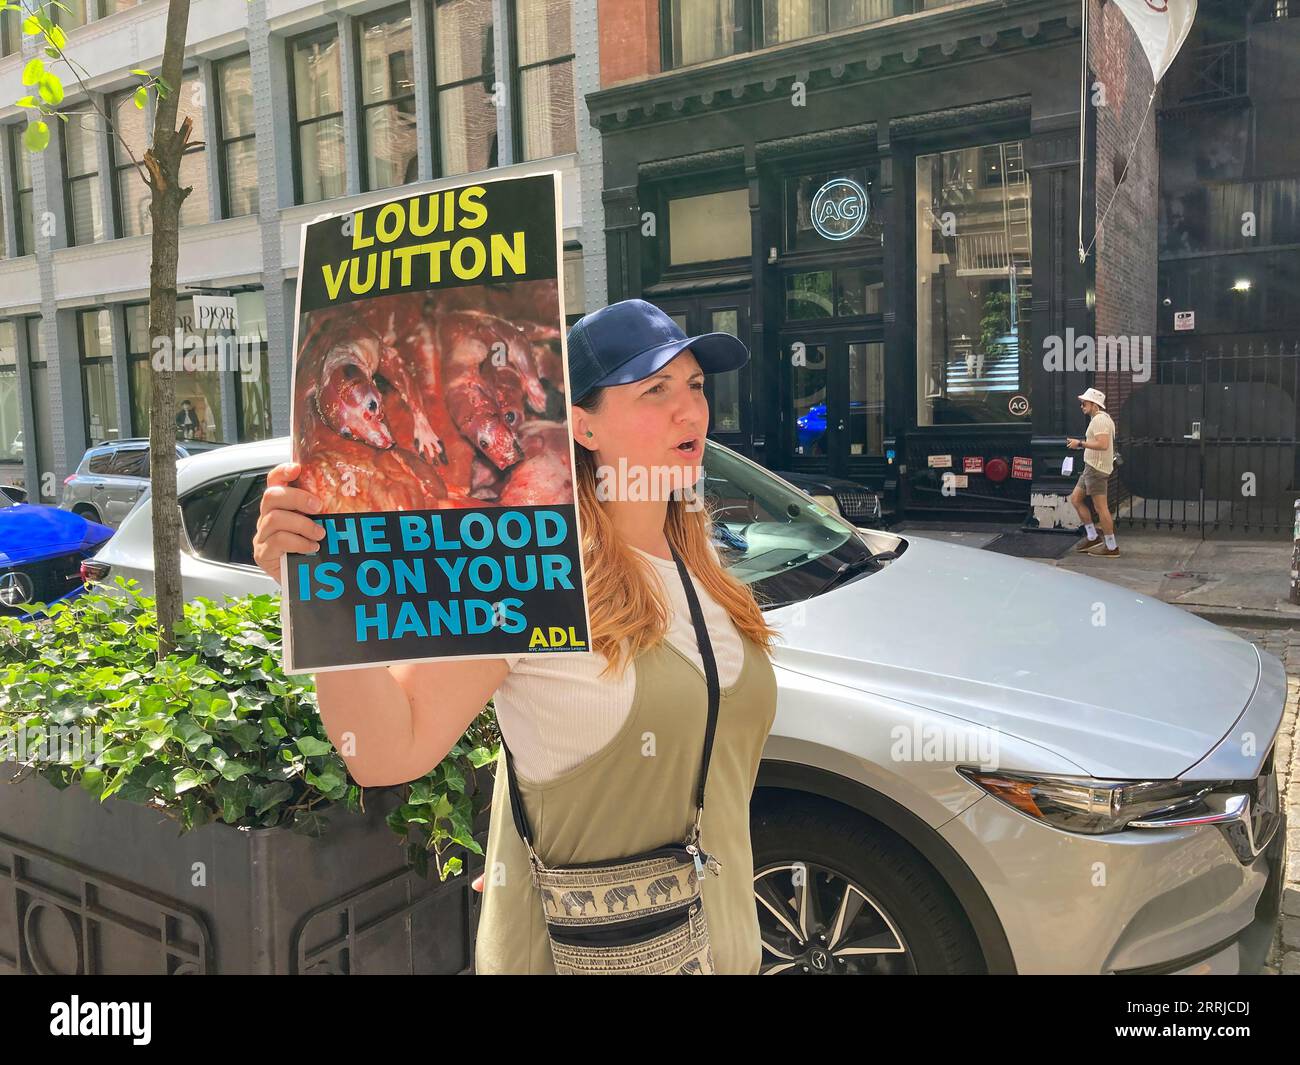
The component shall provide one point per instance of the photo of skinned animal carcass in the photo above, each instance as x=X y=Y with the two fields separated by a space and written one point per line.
x=433 y=400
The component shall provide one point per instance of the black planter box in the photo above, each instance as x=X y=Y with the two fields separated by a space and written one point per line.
x=116 y=888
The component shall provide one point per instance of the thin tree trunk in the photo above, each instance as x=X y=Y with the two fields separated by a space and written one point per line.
x=163 y=161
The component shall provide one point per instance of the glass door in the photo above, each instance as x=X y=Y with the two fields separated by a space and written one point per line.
x=834 y=418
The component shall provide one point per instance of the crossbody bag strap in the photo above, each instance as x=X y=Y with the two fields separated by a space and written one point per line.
x=705 y=646
x=715 y=696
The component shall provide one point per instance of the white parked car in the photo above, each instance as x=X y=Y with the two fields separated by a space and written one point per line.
x=964 y=744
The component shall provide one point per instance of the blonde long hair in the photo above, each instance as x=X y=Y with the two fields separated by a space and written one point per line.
x=623 y=602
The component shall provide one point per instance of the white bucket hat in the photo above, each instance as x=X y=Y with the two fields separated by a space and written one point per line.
x=1093 y=396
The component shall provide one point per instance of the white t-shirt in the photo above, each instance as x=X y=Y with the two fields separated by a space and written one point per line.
x=555 y=711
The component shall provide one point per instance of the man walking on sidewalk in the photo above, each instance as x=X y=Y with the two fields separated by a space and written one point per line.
x=1098 y=461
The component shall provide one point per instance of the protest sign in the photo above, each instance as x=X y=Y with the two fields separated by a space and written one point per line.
x=431 y=417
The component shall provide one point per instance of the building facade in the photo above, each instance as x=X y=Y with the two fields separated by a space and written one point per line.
x=302 y=109
x=882 y=197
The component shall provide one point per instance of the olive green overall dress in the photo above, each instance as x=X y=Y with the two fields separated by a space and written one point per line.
x=635 y=794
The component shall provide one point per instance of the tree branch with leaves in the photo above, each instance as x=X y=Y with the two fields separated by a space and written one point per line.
x=159 y=169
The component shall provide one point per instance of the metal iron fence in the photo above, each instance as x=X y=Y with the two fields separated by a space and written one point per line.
x=1209 y=443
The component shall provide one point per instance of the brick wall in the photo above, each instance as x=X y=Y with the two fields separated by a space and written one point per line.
x=1126 y=247
x=629 y=40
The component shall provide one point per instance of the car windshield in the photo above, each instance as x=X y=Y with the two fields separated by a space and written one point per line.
x=772 y=536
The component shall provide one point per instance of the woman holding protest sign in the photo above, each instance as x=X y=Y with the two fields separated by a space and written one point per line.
x=608 y=752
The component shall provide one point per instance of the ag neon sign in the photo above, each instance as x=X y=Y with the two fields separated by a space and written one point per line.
x=839 y=209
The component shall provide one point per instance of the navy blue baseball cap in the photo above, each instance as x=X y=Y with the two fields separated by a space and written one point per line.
x=630 y=340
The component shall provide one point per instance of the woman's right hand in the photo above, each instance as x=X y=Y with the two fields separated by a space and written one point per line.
x=284 y=524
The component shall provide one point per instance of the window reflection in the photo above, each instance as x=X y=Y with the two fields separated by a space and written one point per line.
x=465 y=69
x=973 y=283
x=724 y=409
x=98 y=380
x=388 y=100
x=318 y=116
x=544 y=45
x=237 y=136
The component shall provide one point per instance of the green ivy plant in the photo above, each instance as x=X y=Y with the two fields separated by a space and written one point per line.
x=214 y=732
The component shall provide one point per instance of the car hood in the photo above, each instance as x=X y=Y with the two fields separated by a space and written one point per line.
x=1120 y=684
x=30 y=532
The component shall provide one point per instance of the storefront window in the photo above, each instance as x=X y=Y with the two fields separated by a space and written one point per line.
x=466 y=69
x=39 y=375
x=11 y=418
x=706 y=228
x=237 y=137
x=866 y=424
x=851 y=292
x=859 y=291
x=98 y=381
x=388 y=99
x=544 y=47
x=243 y=354
x=199 y=388
x=810 y=295
x=138 y=367
x=318 y=116
x=724 y=408
x=254 y=385
x=973 y=283
x=808 y=378
x=832 y=209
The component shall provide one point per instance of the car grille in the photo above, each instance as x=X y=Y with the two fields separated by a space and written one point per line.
x=859 y=504
x=51 y=578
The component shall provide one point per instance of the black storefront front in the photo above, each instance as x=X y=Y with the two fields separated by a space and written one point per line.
x=894 y=247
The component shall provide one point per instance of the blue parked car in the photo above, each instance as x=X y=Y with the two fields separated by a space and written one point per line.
x=810 y=428
x=41 y=550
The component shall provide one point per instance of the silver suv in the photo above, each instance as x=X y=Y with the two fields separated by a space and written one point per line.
x=111 y=477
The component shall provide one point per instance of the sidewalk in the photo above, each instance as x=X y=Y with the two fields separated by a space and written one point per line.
x=1229 y=582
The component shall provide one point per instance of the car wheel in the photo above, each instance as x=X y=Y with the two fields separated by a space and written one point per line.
x=88 y=512
x=839 y=895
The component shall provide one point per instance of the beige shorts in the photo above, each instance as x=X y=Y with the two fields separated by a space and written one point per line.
x=1093 y=481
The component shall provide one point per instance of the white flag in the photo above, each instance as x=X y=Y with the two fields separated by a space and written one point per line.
x=1161 y=27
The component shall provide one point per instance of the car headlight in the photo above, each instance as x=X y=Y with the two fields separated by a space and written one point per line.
x=1087 y=805
x=829 y=503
